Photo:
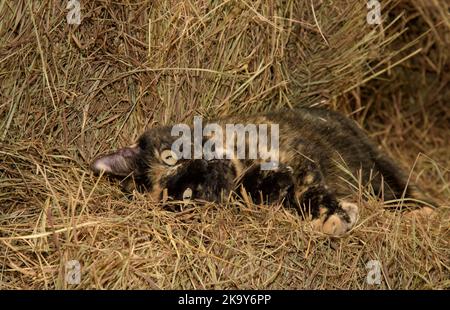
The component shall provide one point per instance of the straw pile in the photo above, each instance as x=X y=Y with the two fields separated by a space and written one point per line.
x=69 y=92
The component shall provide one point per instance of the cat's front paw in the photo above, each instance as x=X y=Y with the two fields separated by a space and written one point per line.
x=338 y=223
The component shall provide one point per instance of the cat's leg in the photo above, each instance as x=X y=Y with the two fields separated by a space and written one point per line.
x=200 y=179
x=305 y=190
x=336 y=221
x=268 y=186
x=313 y=197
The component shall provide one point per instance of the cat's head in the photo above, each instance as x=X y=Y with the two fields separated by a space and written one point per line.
x=151 y=166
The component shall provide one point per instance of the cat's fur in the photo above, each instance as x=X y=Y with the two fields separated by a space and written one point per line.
x=322 y=157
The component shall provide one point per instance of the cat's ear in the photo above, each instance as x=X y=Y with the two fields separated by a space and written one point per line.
x=122 y=162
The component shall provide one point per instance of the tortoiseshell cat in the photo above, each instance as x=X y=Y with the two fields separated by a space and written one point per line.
x=321 y=154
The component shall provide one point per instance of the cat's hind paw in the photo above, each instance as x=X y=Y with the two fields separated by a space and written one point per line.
x=340 y=222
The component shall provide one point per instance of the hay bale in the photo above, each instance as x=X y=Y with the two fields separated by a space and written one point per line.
x=168 y=60
x=69 y=92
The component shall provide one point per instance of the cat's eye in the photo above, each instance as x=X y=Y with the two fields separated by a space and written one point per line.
x=169 y=157
x=187 y=194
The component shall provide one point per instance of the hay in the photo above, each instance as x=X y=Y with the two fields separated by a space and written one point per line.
x=69 y=92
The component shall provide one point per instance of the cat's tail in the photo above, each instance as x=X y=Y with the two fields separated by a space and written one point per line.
x=402 y=192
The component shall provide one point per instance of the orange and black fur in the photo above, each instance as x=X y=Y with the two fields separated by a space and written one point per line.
x=322 y=154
